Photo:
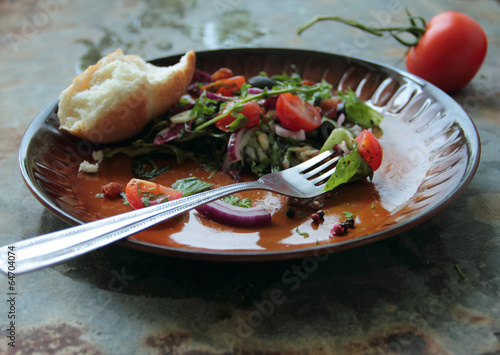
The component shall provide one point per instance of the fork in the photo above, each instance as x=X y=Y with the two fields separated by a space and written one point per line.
x=305 y=180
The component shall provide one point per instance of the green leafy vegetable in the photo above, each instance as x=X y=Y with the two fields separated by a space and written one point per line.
x=350 y=168
x=191 y=185
x=140 y=168
x=236 y=201
x=204 y=106
x=358 y=112
x=240 y=121
x=337 y=136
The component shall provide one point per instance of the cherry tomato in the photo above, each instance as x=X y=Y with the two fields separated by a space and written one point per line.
x=142 y=193
x=226 y=86
x=251 y=110
x=370 y=149
x=450 y=52
x=296 y=114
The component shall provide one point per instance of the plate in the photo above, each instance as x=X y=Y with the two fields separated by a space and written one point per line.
x=431 y=152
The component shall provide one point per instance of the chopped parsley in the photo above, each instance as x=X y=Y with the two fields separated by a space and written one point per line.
x=304 y=234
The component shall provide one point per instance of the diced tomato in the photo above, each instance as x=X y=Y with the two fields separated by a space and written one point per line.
x=225 y=87
x=142 y=193
x=251 y=110
x=111 y=189
x=370 y=149
x=329 y=107
x=296 y=114
x=222 y=73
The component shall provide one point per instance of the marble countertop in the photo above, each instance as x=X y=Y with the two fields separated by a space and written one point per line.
x=403 y=295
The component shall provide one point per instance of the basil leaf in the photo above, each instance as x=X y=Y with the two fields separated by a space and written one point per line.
x=350 y=168
x=191 y=185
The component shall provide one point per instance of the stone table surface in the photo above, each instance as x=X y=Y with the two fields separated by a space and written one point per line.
x=398 y=296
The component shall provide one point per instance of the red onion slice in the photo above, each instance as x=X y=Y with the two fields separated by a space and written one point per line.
x=227 y=214
x=234 y=145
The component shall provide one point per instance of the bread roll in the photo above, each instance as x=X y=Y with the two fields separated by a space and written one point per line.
x=114 y=99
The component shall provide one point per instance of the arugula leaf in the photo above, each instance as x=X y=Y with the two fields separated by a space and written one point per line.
x=204 y=106
x=239 y=122
x=191 y=185
x=358 y=112
x=350 y=168
x=236 y=201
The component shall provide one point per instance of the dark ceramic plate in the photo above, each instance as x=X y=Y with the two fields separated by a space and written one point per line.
x=431 y=152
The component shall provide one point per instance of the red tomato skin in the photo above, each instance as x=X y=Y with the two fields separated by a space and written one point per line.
x=225 y=87
x=134 y=198
x=251 y=110
x=222 y=73
x=370 y=149
x=450 y=52
x=296 y=114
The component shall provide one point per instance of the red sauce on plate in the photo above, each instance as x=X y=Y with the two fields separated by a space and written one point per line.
x=193 y=231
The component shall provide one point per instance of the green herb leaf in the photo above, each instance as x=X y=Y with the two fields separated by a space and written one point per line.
x=236 y=201
x=337 y=136
x=204 y=106
x=240 y=121
x=348 y=214
x=358 y=112
x=304 y=234
x=124 y=197
x=141 y=164
x=191 y=185
x=350 y=168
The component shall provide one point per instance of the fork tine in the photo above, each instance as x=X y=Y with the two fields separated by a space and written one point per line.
x=322 y=167
x=315 y=160
x=323 y=177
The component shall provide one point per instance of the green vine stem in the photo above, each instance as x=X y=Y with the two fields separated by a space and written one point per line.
x=263 y=95
x=414 y=29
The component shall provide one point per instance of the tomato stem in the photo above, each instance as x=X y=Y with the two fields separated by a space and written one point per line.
x=414 y=29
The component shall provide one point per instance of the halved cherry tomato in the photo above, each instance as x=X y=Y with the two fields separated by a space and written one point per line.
x=251 y=110
x=296 y=114
x=370 y=149
x=142 y=193
x=225 y=87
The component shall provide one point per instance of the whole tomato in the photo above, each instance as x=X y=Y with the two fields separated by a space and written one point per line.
x=450 y=52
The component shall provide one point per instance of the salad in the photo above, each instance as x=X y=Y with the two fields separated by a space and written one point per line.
x=262 y=124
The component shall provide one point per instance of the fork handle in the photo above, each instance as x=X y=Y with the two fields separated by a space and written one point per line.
x=34 y=253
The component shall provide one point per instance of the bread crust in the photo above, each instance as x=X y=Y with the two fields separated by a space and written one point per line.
x=116 y=98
